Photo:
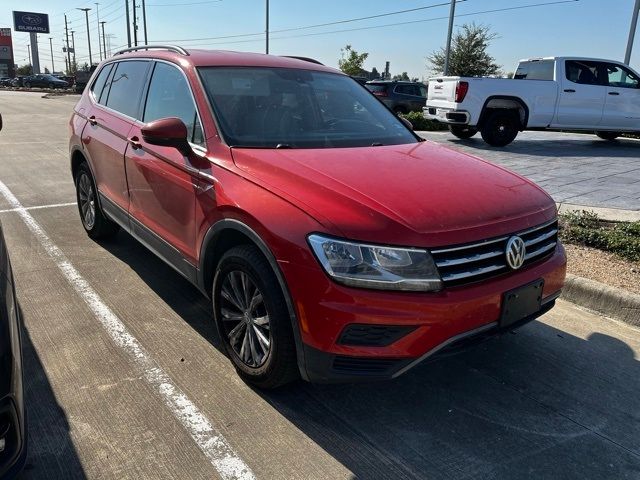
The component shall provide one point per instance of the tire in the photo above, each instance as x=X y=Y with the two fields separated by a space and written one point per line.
x=500 y=127
x=95 y=223
x=52 y=86
x=399 y=110
x=608 y=135
x=27 y=84
x=462 y=131
x=243 y=272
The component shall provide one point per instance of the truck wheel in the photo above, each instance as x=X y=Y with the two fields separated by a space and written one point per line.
x=608 y=135
x=500 y=127
x=252 y=318
x=462 y=131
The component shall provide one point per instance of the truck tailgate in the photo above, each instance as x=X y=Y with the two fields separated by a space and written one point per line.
x=442 y=89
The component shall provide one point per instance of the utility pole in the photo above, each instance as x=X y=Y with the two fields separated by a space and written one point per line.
x=66 y=34
x=144 y=21
x=452 y=14
x=98 y=17
x=73 y=46
x=126 y=7
x=86 y=14
x=53 y=66
x=135 y=24
x=632 y=32
x=104 y=41
x=267 y=29
x=30 y=66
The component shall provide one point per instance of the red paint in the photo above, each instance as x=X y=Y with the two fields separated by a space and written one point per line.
x=420 y=195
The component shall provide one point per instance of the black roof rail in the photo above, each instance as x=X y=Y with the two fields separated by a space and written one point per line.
x=172 y=48
x=304 y=59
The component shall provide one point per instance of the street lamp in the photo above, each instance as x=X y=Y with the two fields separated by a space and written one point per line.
x=104 y=41
x=86 y=14
x=98 y=16
x=53 y=67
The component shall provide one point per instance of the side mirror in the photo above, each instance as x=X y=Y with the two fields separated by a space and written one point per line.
x=406 y=122
x=167 y=132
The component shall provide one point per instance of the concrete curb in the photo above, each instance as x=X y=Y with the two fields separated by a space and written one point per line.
x=612 y=302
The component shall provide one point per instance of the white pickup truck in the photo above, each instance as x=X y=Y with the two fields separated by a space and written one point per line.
x=553 y=93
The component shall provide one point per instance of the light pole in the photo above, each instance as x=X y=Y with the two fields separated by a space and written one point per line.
x=86 y=15
x=267 y=29
x=452 y=14
x=144 y=21
x=73 y=46
x=53 y=67
x=104 y=41
x=632 y=32
x=98 y=17
x=29 y=52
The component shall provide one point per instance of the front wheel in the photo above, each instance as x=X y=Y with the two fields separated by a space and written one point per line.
x=608 y=135
x=96 y=224
x=500 y=127
x=463 y=132
x=253 y=319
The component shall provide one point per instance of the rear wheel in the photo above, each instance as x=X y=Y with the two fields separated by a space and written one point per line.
x=608 y=135
x=253 y=319
x=462 y=131
x=500 y=127
x=96 y=224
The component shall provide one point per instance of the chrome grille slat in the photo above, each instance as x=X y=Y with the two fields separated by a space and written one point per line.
x=462 y=264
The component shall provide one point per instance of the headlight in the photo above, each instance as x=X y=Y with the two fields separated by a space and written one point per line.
x=372 y=266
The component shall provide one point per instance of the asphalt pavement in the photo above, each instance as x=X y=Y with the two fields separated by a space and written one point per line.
x=125 y=377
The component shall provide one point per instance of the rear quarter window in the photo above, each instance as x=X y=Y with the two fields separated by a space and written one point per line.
x=99 y=83
x=538 y=70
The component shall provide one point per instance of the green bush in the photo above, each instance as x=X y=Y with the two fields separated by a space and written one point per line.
x=586 y=228
x=421 y=123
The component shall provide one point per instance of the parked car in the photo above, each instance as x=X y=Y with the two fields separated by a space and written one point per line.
x=5 y=81
x=17 y=81
x=399 y=96
x=82 y=78
x=553 y=93
x=334 y=243
x=44 y=80
x=13 y=434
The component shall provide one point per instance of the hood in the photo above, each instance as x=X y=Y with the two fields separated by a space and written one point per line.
x=417 y=194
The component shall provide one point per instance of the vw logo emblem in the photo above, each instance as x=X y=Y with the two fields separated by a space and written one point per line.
x=31 y=19
x=515 y=252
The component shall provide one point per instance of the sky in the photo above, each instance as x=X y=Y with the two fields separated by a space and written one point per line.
x=593 y=28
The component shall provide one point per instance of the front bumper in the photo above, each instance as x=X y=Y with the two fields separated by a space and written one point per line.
x=444 y=115
x=434 y=321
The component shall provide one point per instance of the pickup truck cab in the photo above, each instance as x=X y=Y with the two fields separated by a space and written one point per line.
x=553 y=93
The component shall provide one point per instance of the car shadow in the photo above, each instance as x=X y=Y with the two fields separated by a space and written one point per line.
x=537 y=403
x=50 y=450
x=590 y=146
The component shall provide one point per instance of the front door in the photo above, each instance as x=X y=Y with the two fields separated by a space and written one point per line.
x=163 y=182
x=581 y=96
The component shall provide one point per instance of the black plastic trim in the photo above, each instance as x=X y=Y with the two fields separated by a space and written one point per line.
x=483 y=112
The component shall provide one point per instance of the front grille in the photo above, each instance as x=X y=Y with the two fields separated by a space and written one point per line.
x=372 y=335
x=468 y=263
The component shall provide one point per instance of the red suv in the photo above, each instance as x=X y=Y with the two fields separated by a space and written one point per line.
x=334 y=243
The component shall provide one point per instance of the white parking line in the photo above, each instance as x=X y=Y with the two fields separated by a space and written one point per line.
x=38 y=207
x=219 y=452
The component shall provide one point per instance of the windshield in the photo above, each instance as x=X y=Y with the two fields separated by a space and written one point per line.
x=290 y=108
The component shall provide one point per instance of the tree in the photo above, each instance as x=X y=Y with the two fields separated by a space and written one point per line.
x=404 y=76
x=23 y=70
x=374 y=74
x=469 y=57
x=351 y=61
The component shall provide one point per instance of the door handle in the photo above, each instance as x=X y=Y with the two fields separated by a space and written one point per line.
x=614 y=93
x=569 y=90
x=134 y=142
x=92 y=120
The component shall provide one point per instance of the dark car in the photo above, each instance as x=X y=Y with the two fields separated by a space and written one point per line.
x=401 y=97
x=44 y=80
x=5 y=81
x=17 y=82
x=12 y=417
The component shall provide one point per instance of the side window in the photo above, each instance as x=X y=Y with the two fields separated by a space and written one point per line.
x=583 y=72
x=98 y=84
x=126 y=87
x=423 y=91
x=618 y=76
x=170 y=96
x=404 y=89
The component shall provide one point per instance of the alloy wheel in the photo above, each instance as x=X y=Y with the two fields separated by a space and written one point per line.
x=245 y=318
x=86 y=198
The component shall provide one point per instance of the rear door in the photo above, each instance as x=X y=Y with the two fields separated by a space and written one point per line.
x=162 y=181
x=411 y=96
x=116 y=94
x=622 y=102
x=582 y=95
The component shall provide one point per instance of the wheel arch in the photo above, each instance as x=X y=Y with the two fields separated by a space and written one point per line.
x=508 y=102
x=228 y=233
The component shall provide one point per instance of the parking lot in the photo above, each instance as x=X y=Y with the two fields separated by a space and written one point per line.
x=125 y=379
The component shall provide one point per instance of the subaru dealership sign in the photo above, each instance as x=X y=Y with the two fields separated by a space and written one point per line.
x=31 y=22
